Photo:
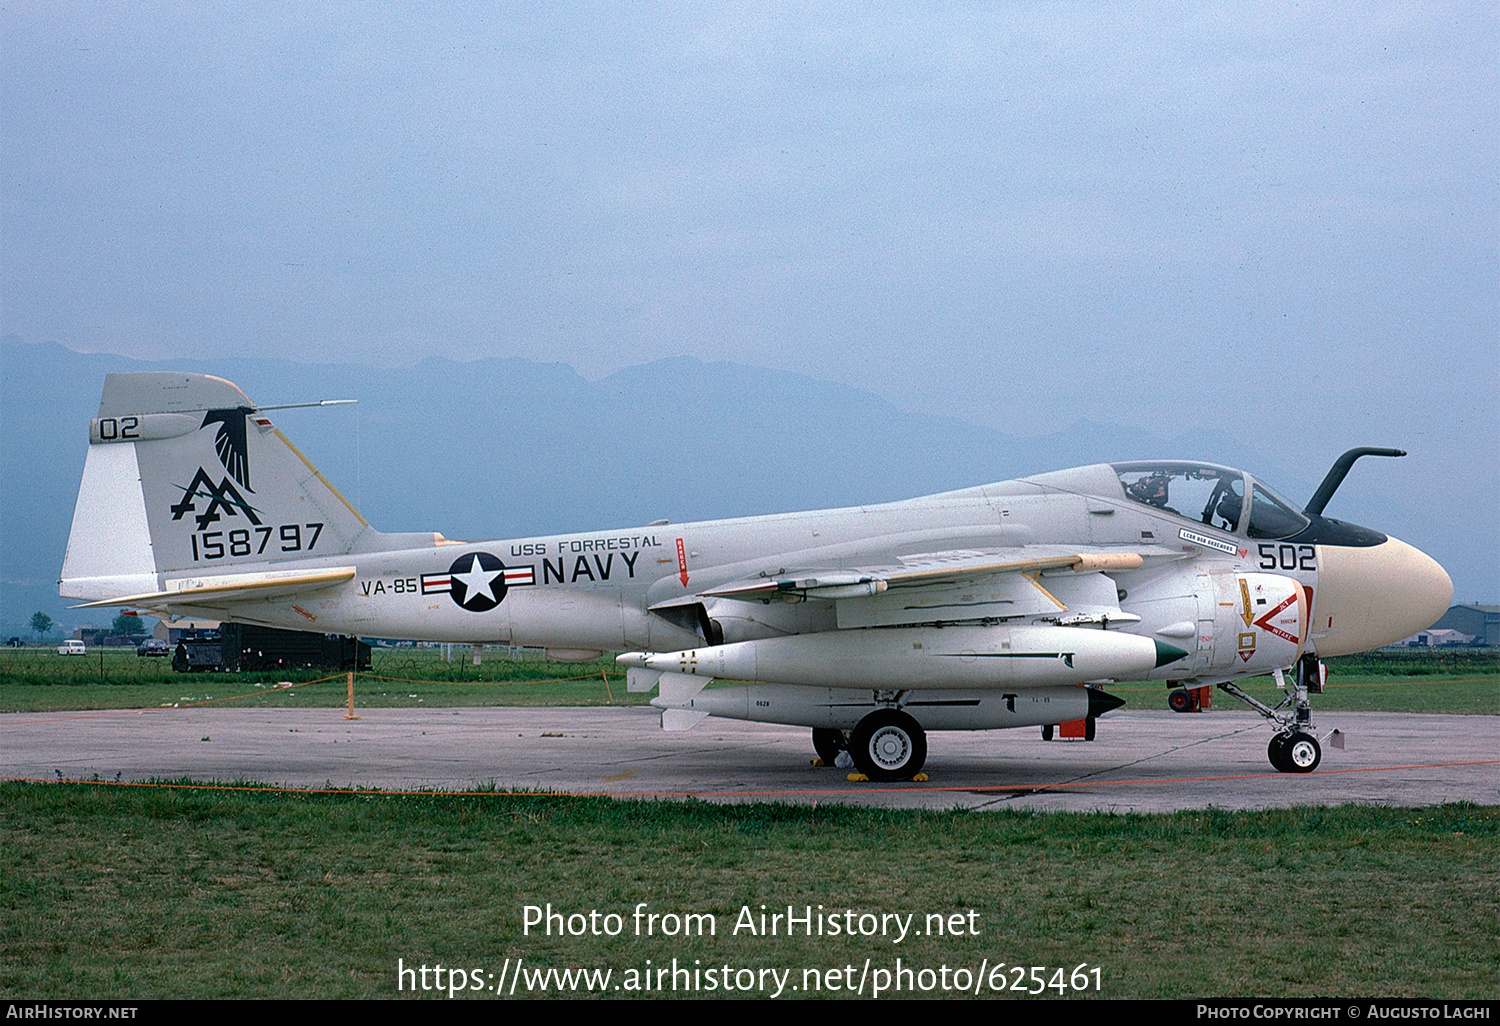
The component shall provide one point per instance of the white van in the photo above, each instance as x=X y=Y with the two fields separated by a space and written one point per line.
x=71 y=648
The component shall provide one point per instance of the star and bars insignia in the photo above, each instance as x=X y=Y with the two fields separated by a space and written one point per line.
x=478 y=581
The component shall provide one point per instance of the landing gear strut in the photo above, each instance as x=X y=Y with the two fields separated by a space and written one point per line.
x=1294 y=749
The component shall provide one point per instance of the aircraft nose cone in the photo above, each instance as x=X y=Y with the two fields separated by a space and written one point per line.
x=1375 y=595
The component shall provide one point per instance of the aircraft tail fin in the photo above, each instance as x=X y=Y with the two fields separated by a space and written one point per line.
x=185 y=474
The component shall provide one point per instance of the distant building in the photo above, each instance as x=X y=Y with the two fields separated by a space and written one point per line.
x=1477 y=621
x=104 y=637
x=1434 y=637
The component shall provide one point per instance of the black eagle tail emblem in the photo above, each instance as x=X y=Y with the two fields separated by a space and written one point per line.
x=230 y=442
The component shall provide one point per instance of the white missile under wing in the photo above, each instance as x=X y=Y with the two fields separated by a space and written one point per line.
x=1004 y=605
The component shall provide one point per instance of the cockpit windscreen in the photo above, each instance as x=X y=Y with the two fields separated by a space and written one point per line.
x=1215 y=496
x=1198 y=491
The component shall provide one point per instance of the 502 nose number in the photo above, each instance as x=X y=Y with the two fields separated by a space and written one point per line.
x=1288 y=557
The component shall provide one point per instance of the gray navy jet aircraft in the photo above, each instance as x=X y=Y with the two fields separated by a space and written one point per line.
x=1005 y=605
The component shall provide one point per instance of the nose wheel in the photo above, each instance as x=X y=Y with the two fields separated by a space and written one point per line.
x=1295 y=752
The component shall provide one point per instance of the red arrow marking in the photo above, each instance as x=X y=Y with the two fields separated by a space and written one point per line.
x=1263 y=622
x=682 y=574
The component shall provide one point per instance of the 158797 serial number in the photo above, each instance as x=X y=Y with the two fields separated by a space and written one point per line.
x=254 y=541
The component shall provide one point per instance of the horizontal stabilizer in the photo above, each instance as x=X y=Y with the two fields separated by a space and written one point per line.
x=196 y=591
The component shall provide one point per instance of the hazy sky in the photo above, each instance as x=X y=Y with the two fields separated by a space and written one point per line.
x=1277 y=219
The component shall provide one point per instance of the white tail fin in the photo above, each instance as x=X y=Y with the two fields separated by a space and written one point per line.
x=185 y=475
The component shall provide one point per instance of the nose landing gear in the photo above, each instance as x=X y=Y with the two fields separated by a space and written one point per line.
x=1294 y=749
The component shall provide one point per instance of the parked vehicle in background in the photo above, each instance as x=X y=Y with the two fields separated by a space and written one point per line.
x=71 y=648
x=153 y=647
x=235 y=647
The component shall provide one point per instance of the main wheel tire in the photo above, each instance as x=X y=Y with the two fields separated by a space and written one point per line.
x=828 y=743
x=888 y=745
x=1180 y=701
x=1302 y=753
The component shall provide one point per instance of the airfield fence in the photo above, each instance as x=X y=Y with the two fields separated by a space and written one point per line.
x=34 y=679
x=504 y=664
x=1420 y=662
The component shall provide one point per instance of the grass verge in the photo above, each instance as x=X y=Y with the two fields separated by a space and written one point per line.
x=132 y=892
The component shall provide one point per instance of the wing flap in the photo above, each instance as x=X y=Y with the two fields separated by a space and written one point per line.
x=963 y=584
x=964 y=566
x=821 y=584
x=931 y=568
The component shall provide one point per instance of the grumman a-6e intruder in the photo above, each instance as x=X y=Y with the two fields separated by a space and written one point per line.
x=1006 y=605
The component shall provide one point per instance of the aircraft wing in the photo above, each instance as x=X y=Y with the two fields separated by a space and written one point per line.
x=961 y=585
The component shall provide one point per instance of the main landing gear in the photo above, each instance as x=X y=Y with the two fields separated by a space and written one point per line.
x=829 y=742
x=1293 y=749
x=886 y=745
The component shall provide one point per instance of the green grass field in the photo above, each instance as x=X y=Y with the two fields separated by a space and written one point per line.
x=129 y=892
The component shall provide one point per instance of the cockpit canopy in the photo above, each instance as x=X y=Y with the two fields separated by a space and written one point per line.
x=1215 y=496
